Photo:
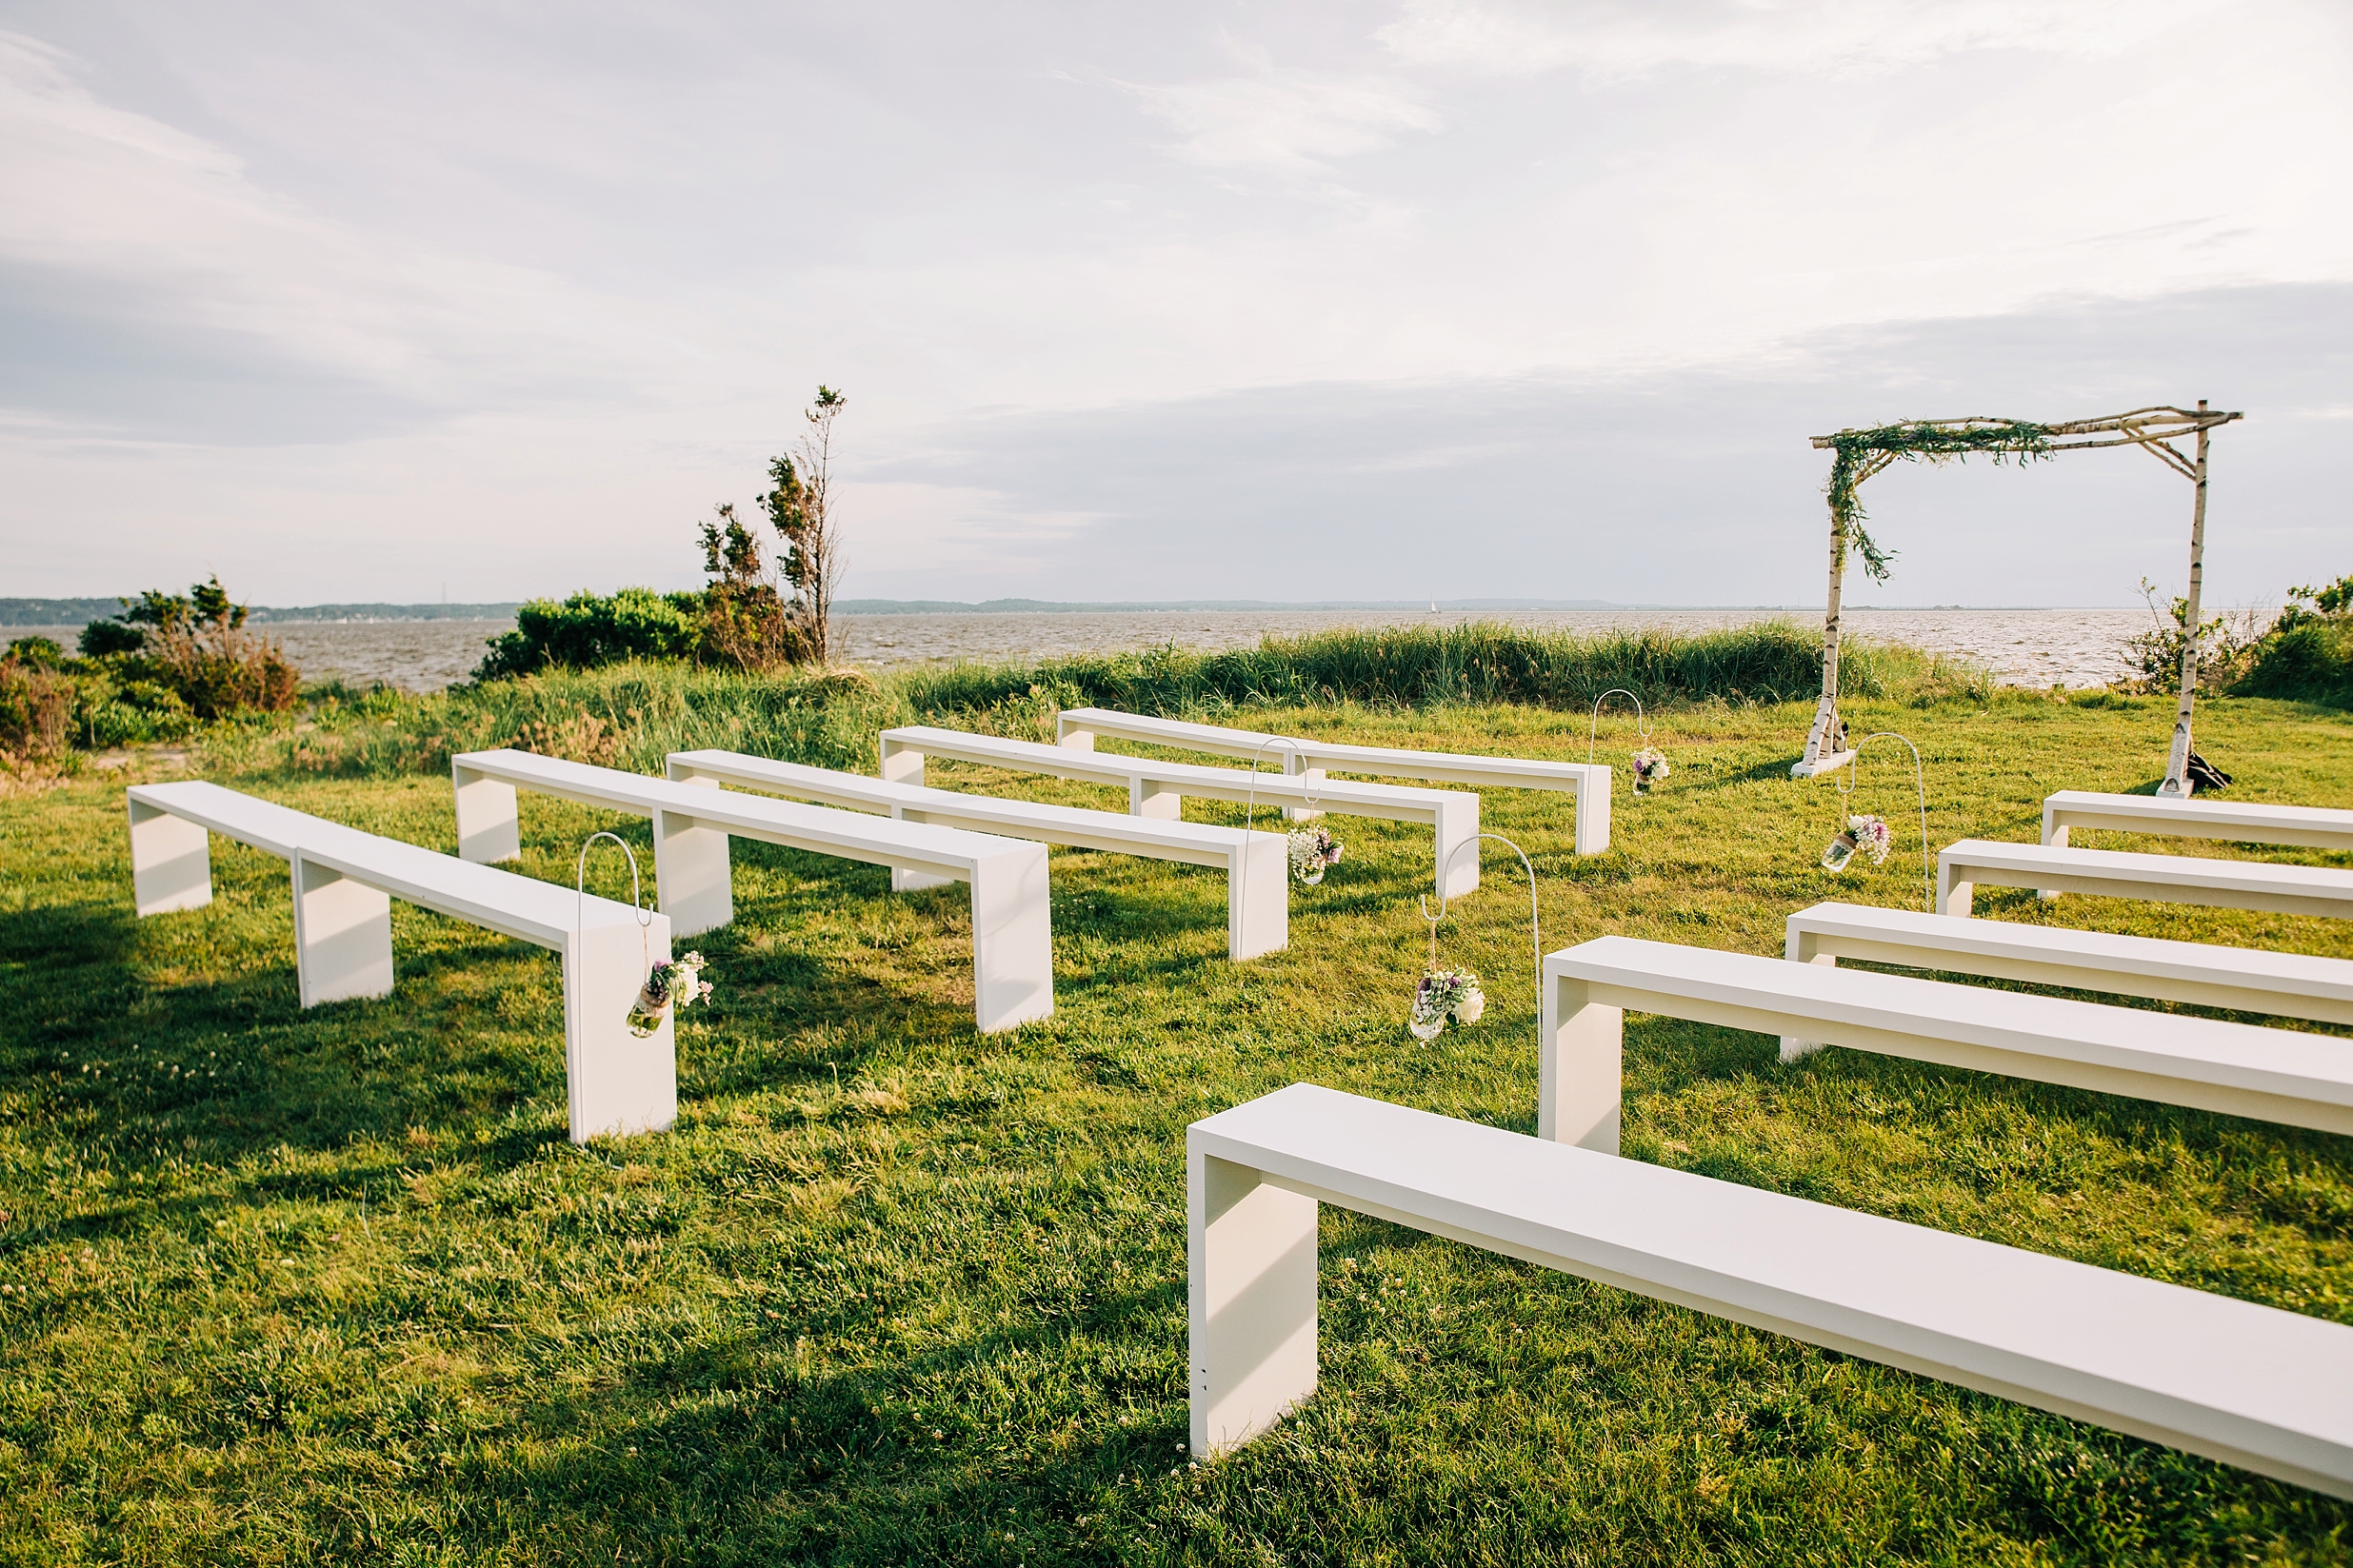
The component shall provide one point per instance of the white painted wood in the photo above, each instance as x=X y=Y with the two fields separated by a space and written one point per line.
x=343 y=883
x=2245 y=980
x=1257 y=876
x=1156 y=788
x=2169 y=879
x=1586 y=782
x=2195 y=817
x=2253 y=1386
x=170 y=859
x=2285 y=1076
x=1013 y=933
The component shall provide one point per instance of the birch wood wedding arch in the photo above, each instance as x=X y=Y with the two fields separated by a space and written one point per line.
x=1864 y=452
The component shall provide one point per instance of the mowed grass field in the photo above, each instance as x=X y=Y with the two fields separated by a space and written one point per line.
x=331 y=1286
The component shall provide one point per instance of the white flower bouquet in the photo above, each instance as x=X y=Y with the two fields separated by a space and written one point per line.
x=1312 y=850
x=1444 y=995
x=679 y=984
x=1864 y=832
x=1650 y=768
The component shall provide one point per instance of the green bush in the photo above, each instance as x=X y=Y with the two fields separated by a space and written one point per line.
x=2311 y=661
x=588 y=631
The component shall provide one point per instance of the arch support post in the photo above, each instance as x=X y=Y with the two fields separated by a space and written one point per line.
x=2176 y=781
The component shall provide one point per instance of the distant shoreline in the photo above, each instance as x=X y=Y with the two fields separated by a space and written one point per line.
x=75 y=612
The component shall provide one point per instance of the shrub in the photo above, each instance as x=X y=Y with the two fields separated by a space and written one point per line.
x=2308 y=654
x=586 y=631
x=196 y=647
x=36 y=709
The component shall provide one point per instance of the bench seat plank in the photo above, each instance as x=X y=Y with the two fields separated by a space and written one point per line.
x=2284 y=1076
x=1587 y=781
x=1257 y=874
x=2251 y=1385
x=2238 y=821
x=2169 y=878
x=2246 y=979
x=1012 y=934
x=1157 y=788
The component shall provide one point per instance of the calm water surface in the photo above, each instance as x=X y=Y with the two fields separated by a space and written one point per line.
x=2040 y=648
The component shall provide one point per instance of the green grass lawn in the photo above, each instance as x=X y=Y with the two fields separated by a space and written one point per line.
x=331 y=1286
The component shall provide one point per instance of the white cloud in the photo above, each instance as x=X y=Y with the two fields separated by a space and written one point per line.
x=1283 y=120
x=1630 y=38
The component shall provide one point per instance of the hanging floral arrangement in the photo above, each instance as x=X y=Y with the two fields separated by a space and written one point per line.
x=1862 y=832
x=680 y=984
x=1444 y=996
x=1650 y=768
x=1312 y=853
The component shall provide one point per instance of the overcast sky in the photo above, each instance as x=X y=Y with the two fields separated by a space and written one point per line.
x=1440 y=298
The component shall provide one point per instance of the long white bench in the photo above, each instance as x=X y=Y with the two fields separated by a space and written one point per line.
x=344 y=881
x=2169 y=879
x=2246 y=979
x=1158 y=788
x=2254 y=1386
x=1257 y=872
x=1012 y=932
x=1586 y=783
x=2286 y=1076
x=2195 y=817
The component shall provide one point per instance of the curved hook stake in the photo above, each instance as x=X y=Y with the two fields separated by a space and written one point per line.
x=580 y=894
x=1928 y=881
x=1535 y=933
x=1249 y=803
x=1641 y=720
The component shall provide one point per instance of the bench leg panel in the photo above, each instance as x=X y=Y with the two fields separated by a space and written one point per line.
x=488 y=826
x=1956 y=893
x=691 y=874
x=171 y=862
x=1076 y=738
x=1458 y=825
x=343 y=937
x=899 y=765
x=1012 y=940
x=1251 y=1297
x=614 y=1083
x=1163 y=802
x=2055 y=836
x=1258 y=899
x=1591 y=800
x=1800 y=949
x=1295 y=766
x=1578 y=1081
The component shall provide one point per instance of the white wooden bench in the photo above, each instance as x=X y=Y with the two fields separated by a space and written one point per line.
x=1158 y=788
x=1012 y=932
x=2245 y=980
x=2285 y=1076
x=2198 y=817
x=2167 y=878
x=1257 y=872
x=2254 y=1386
x=1586 y=783
x=344 y=881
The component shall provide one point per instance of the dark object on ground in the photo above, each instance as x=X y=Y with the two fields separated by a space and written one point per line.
x=2205 y=775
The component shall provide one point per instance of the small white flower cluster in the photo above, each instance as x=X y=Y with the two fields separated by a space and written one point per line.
x=1444 y=995
x=1312 y=850
x=1871 y=837
x=670 y=984
x=1650 y=766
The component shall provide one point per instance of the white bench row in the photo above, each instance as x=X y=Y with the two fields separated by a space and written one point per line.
x=1257 y=875
x=2254 y=1386
x=2284 y=1076
x=2172 y=879
x=2188 y=817
x=1158 y=788
x=1013 y=933
x=1587 y=783
x=2245 y=980
x=344 y=881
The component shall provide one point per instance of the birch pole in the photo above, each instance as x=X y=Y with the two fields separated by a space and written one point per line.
x=2177 y=766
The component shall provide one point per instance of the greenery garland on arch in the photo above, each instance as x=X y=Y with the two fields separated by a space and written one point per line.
x=1856 y=454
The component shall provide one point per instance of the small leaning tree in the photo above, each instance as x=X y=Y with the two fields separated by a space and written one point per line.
x=801 y=508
